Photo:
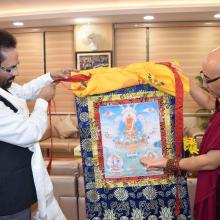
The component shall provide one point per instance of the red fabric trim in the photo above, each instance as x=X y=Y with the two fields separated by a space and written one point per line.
x=178 y=123
x=51 y=135
x=76 y=78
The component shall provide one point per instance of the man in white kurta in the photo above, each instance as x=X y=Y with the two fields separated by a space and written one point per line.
x=20 y=128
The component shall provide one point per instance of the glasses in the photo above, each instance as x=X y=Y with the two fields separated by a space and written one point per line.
x=206 y=79
x=11 y=69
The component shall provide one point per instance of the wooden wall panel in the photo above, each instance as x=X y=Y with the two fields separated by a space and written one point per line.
x=60 y=55
x=130 y=46
x=188 y=45
x=31 y=57
x=30 y=49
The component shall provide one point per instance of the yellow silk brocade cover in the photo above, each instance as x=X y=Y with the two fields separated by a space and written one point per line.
x=106 y=79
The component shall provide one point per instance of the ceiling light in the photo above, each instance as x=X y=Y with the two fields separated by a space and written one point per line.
x=149 y=17
x=18 y=24
x=217 y=16
x=82 y=20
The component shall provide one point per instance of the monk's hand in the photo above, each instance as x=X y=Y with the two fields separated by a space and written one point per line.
x=62 y=74
x=153 y=164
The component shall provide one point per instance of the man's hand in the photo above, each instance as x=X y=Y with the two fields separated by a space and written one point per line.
x=62 y=74
x=48 y=92
x=152 y=164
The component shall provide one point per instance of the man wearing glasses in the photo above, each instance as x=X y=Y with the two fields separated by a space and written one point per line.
x=207 y=201
x=23 y=176
x=211 y=81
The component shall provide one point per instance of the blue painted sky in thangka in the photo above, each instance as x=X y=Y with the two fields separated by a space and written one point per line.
x=129 y=132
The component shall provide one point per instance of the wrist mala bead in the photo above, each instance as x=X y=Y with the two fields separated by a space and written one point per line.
x=172 y=166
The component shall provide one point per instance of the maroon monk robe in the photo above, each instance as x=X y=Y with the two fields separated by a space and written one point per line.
x=207 y=201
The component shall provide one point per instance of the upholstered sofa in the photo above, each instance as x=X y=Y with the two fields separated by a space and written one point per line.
x=81 y=199
x=64 y=175
x=65 y=136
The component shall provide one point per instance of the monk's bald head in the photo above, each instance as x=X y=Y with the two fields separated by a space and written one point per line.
x=211 y=64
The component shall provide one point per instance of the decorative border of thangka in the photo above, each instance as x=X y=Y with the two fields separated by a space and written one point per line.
x=117 y=196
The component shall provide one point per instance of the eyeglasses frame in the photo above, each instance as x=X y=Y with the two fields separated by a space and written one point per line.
x=10 y=70
x=207 y=79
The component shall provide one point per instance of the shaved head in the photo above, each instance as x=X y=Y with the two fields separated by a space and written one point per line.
x=211 y=64
x=211 y=71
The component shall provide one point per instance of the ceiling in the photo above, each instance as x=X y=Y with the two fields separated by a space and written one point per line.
x=42 y=13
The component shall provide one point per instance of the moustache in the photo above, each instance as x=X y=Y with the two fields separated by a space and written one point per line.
x=7 y=83
x=11 y=78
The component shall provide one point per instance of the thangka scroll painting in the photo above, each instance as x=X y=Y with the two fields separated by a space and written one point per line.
x=117 y=129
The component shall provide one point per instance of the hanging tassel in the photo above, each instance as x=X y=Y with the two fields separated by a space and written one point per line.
x=178 y=126
x=49 y=166
x=74 y=78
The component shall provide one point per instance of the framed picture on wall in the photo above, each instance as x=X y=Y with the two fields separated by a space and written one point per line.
x=93 y=59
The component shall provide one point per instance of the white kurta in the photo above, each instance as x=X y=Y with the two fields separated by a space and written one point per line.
x=25 y=130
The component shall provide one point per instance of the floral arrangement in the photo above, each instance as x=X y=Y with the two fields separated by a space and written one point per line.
x=190 y=145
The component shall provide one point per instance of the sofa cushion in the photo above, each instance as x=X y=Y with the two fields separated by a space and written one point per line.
x=46 y=135
x=64 y=185
x=81 y=187
x=62 y=144
x=66 y=195
x=69 y=207
x=65 y=126
x=82 y=208
x=64 y=167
